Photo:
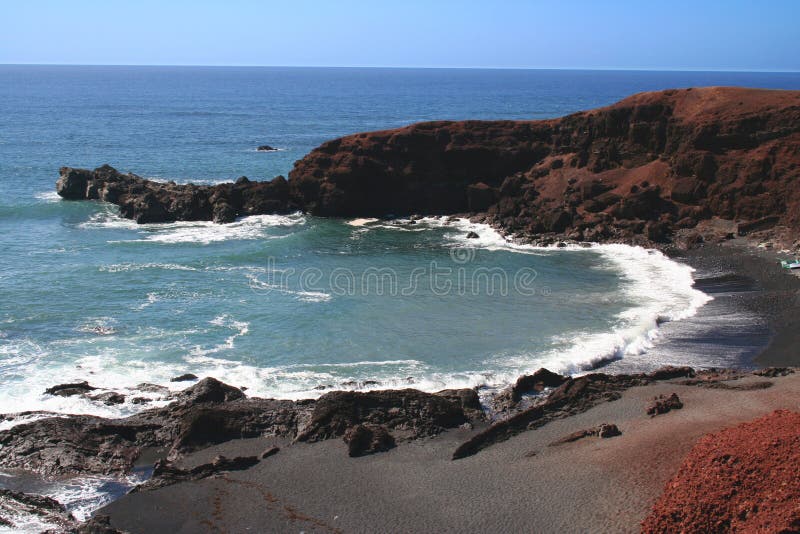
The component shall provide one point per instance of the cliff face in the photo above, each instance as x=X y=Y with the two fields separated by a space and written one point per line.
x=649 y=166
x=645 y=169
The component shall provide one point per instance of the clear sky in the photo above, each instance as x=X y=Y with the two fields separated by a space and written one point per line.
x=628 y=34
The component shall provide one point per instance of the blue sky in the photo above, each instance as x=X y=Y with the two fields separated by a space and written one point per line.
x=643 y=34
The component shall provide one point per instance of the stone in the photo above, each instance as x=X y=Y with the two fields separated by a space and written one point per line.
x=188 y=377
x=367 y=439
x=662 y=404
x=69 y=390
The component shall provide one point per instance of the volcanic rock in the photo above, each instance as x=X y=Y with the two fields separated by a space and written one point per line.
x=637 y=171
x=741 y=479
x=606 y=430
x=643 y=160
x=110 y=398
x=147 y=201
x=165 y=473
x=663 y=404
x=68 y=390
x=419 y=413
x=574 y=395
x=272 y=451
x=188 y=377
x=368 y=439
x=15 y=503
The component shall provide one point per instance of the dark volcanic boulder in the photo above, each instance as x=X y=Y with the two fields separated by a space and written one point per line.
x=421 y=414
x=662 y=404
x=68 y=390
x=109 y=397
x=188 y=377
x=536 y=382
x=368 y=439
x=210 y=390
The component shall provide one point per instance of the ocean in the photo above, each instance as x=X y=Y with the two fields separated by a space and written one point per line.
x=292 y=306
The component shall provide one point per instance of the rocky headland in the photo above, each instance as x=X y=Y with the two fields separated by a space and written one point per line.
x=653 y=168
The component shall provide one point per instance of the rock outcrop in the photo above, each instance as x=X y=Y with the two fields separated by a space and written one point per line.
x=574 y=395
x=417 y=413
x=211 y=412
x=147 y=201
x=165 y=473
x=207 y=413
x=647 y=169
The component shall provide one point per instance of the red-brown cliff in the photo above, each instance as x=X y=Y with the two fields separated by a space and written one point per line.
x=647 y=166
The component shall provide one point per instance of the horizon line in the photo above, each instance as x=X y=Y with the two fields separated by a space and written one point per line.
x=414 y=67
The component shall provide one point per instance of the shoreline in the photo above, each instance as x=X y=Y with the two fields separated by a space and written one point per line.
x=746 y=279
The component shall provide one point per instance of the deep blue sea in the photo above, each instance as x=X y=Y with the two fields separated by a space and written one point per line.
x=290 y=306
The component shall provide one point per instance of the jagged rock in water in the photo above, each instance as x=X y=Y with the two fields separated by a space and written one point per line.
x=188 y=377
x=68 y=390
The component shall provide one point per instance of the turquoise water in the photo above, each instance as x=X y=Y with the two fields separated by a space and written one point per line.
x=288 y=306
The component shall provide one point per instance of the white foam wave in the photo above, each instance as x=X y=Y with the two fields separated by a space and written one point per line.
x=48 y=196
x=126 y=267
x=662 y=289
x=240 y=328
x=306 y=296
x=201 y=232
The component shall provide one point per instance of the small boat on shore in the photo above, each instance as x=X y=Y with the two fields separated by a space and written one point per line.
x=791 y=264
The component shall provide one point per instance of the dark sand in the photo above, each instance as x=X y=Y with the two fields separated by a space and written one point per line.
x=597 y=485
x=592 y=485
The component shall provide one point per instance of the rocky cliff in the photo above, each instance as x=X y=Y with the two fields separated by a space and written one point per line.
x=649 y=165
x=647 y=168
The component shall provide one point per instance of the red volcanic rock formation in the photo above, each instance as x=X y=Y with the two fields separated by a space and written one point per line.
x=647 y=166
x=742 y=479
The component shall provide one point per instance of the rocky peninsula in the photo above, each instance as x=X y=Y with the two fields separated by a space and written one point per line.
x=653 y=168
